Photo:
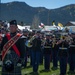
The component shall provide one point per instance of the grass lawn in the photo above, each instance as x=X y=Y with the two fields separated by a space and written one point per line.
x=28 y=71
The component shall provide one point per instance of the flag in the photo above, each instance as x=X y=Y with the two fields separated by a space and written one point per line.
x=41 y=25
x=53 y=23
x=60 y=25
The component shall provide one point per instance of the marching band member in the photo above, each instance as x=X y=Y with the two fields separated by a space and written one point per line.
x=47 y=51
x=63 y=53
x=36 y=48
x=13 y=51
x=42 y=48
x=30 y=36
x=72 y=54
x=25 y=34
x=4 y=31
x=55 y=52
x=0 y=43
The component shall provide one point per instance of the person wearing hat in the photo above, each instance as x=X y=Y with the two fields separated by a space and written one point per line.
x=47 y=51
x=63 y=46
x=41 y=51
x=4 y=31
x=25 y=33
x=42 y=48
x=13 y=50
x=55 y=52
x=36 y=49
x=72 y=54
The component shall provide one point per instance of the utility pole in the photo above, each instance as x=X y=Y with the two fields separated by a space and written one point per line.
x=48 y=17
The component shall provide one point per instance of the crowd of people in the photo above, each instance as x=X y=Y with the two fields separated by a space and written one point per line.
x=17 y=47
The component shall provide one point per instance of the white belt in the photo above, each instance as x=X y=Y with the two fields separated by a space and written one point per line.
x=62 y=48
x=19 y=64
x=72 y=45
x=47 y=47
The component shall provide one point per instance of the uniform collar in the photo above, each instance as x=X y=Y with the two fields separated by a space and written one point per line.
x=13 y=34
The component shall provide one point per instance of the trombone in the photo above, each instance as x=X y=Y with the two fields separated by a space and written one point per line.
x=28 y=42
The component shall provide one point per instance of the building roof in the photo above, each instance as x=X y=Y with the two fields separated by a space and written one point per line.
x=70 y=23
x=73 y=22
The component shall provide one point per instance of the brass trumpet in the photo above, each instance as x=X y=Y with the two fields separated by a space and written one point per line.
x=54 y=42
x=43 y=41
x=68 y=38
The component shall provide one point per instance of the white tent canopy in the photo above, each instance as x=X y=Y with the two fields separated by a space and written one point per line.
x=50 y=28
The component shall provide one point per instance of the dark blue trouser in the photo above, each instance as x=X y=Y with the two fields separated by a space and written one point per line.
x=41 y=57
x=25 y=60
x=63 y=64
x=55 y=58
x=72 y=62
x=35 y=60
x=30 y=53
x=47 y=61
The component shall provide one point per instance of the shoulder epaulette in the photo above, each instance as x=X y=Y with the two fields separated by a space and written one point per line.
x=3 y=35
x=23 y=37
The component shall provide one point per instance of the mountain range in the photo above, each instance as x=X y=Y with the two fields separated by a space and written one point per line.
x=24 y=13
